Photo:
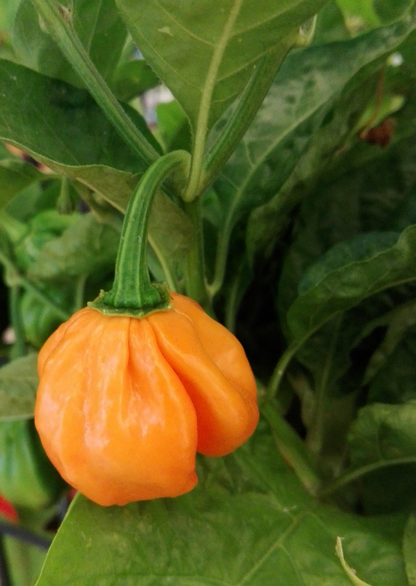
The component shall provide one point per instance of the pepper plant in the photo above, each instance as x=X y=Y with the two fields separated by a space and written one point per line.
x=277 y=189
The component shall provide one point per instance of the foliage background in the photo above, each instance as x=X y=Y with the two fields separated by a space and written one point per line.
x=306 y=243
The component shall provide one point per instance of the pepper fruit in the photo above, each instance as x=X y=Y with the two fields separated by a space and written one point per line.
x=124 y=403
x=27 y=478
x=134 y=385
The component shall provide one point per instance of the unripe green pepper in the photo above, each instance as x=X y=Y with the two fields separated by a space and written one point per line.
x=27 y=478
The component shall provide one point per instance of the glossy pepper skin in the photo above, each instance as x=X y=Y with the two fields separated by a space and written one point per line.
x=124 y=403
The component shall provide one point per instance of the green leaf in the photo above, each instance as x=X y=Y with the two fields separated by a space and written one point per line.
x=304 y=120
x=15 y=175
x=97 y=24
x=248 y=522
x=85 y=247
x=382 y=454
x=394 y=381
x=361 y=195
x=171 y=235
x=173 y=127
x=364 y=14
x=330 y=25
x=339 y=289
x=25 y=561
x=400 y=321
x=409 y=548
x=224 y=52
x=7 y=12
x=383 y=435
x=63 y=127
x=19 y=381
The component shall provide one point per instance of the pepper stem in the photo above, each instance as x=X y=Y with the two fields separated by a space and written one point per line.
x=133 y=294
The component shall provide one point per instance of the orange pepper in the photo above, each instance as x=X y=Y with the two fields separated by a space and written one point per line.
x=125 y=403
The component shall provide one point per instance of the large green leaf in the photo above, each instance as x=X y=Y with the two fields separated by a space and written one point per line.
x=383 y=457
x=343 y=286
x=98 y=26
x=225 y=43
x=383 y=435
x=328 y=143
x=371 y=190
x=63 y=127
x=19 y=381
x=299 y=129
x=248 y=522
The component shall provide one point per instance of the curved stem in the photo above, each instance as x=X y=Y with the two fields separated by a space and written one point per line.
x=292 y=448
x=280 y=370
x=133 y=293
x=58 y=22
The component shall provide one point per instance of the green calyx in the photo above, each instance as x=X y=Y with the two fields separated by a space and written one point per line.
x=133 y=294
x=162 y=302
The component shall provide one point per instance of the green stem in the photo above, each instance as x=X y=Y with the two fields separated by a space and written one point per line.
x=317 y=433
x=292 y=448
x=220 y=262
x=243 y=114
x=133 y=293
x=79 y=292
x=280 y=370
x=194 y=267
x=19 y=348
x=58 y=21
x=203 y=122
x=353 y=475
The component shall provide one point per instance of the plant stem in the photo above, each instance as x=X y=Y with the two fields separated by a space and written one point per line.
x=220 y=263
x=353 y=475
x=133 y=293
x=292 y=448
x=317 y=432
x=243 y=114
x=202 y=126
x=19 y=347
x=194 y=267
x=58 y=21
x=280 y=370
